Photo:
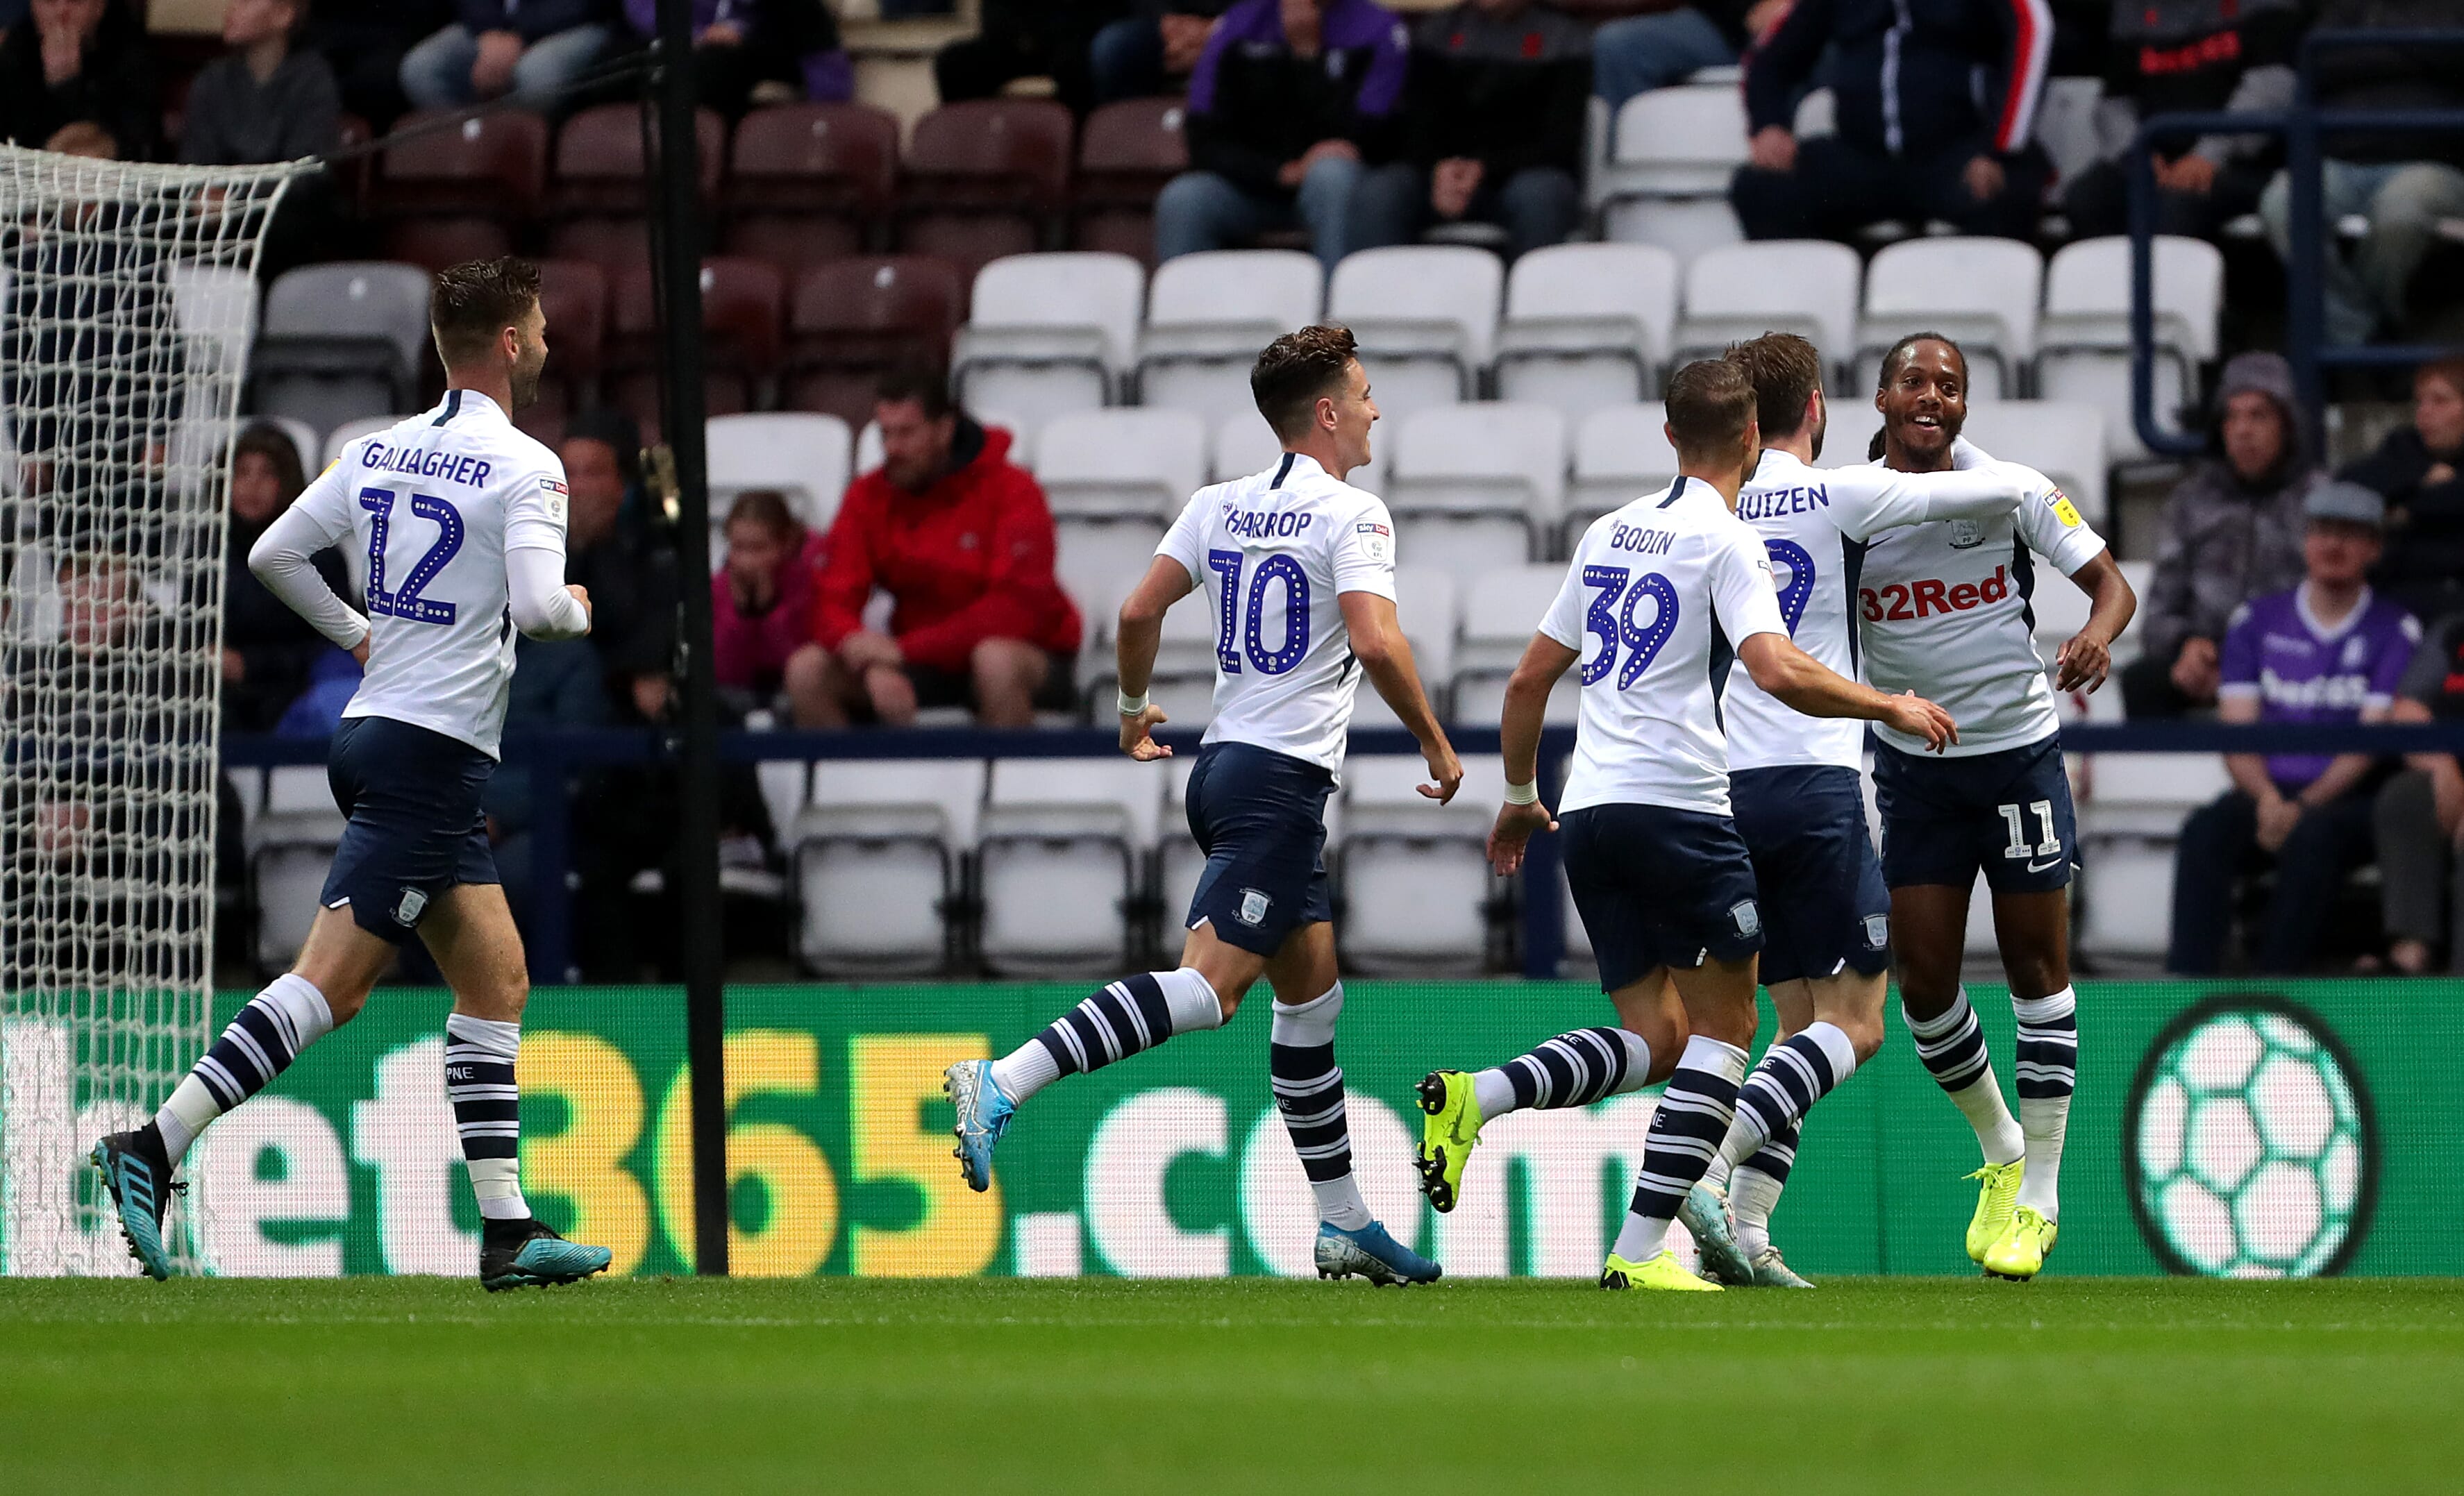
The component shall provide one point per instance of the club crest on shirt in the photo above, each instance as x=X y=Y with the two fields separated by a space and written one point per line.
x=1749 y=919
x=1253 y=907
x=1878 y=931
x=413 y=904
x=1967 y=533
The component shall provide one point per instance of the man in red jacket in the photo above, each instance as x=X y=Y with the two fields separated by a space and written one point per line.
x=959 y=537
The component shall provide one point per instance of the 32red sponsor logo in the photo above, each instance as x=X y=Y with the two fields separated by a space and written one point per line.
x=1902 y=600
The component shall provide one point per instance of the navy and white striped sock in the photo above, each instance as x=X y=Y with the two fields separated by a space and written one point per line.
x=1952 y=1048
x=1309 y=1091
x=1753 y=1189
x=2047 y=1071
x=479 y=1055
x=1686 y=1127
x=1125 y=1017
x=1573 y=1069
x=260 y=1044
x=1794 y=1073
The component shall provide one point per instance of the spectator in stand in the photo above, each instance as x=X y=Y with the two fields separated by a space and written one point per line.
x=1291 y=103
x=267 y=647
x=2403 y=181
x=1027 y=38
x=2329 y=651
x=1916 y=140
x=2418 y=470
x=616 y=546
x=761 y=600
x=2420 y=818
x=760 y=52
x=493 y=48
x=265 y=100
x=556 y=684
x=1493 y=128
x=365 y=45
x=81 y=63
x=2169 y=56
x=1638 y=54
x=1152 y=50
x=961 y=539
x=2232 y=531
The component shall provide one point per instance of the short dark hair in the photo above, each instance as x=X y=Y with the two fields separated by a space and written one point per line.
x=1899 y=350
x=1785 y=371
x=274 y=445
x=1297 y=370
x=1710 y=403
x=473 y=301
x=767 y=508
x=928 y=387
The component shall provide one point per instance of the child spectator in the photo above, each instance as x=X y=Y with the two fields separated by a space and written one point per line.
x=761 y=600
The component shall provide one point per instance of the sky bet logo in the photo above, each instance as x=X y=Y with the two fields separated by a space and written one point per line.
x=1901 y=601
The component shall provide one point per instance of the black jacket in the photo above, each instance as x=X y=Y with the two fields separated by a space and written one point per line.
x=1913 y=78
x=2422 y=565
x=1254 y=105
x=116 y=88
x=1509 y=95
x=2391 y=77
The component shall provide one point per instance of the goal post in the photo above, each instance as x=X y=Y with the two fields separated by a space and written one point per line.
x=128 y=299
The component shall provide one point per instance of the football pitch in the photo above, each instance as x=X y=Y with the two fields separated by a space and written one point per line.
x=1896 y=1385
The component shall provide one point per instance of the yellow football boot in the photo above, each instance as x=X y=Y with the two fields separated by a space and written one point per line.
x=1664 y=1272
x=2020 y=1253
x=1449 y=1134
x=1993 y=1201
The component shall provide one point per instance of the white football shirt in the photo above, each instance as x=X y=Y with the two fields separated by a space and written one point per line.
x=1273 y=552
x=1944 y=612
x=431 y=506
x=1814 y=524
x=1649 y=587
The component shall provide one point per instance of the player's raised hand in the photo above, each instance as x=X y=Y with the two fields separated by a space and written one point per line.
x=1446 y=769
x=2083 y=663
x=1918 y=717
x=1509 y=839
x=1138 y=736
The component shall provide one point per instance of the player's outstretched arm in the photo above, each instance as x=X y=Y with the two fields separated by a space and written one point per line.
x=1385 y=656
x=1140 y=633
x=1809 y=686
x=1525 y=712
x=2087 y=656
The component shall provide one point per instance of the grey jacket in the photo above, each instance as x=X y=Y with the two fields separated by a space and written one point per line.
x=2225 y=541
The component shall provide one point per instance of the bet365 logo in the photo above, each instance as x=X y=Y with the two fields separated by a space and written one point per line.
x=2249 y=1148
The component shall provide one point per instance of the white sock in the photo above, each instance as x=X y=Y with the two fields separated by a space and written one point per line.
x=1308 y=1093
x=2047 y=1072
x=1953 y=1046
x=1753 y=1195
x=480 y=1057
x=260 y=1043
x=1124 y=1018
x=1494 y=1091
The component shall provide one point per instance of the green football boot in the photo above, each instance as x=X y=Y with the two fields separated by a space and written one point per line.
x=1449 y=1134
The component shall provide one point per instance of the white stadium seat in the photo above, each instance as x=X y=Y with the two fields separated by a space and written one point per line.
x=805 y=457
x=350 y=432
x=1245 y=444
x=2061 y=440
x=1049 y=333
x=2084 y=341
x=291 y=844
x=1980 y=292
x=1620 y=455
x=2131 y=807
x=1741 y=291
x=1122 y=462
x=1426 y=319
x=1426 y=608
x=303 y=440
x=1063 y=861
x=880 y=853
x=1207 y=315
x=1475 y=485
x=1587 y=325
x=1417 y=889
x=1672 y=154
x=1501 y=610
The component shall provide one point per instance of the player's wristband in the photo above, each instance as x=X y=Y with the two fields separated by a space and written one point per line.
x=1525 y=794
x=1132 y=706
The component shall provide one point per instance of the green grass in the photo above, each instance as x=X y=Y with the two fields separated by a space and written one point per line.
x=1169 y=1389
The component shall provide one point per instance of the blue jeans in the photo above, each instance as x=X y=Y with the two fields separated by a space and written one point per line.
x=1642 y=52
x=1202 y=211
x=2404 y=201
x=436 y=73
x=1537 y=207
x=1126 y=59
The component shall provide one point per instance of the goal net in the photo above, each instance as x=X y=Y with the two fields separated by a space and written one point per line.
x=127 y=300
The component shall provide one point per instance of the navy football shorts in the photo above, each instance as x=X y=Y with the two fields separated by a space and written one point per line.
x=1259 y=818
x=1660 y=887
x=2007 y=814
x=1824 y=907
x=416 y=827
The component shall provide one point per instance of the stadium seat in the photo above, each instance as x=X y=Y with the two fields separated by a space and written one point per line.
x=881 y=853
x=1416 y=893
x=1207 y=315
x=1245 y=444
x=304 y=441
x=1100 y=463
x=1620 y=455
x=1472 y=485
x=2063 y=441
x=342 y=340
x=1183 y=682
x=1673 y=152
x=1501 y=610
x=853 y=319
x=740 y=317
x=291 y=844
x=573 y=297
x=807 y=180
x=435 y=244
x=1427 y=607
x=490 y=166
x=215 y=308
x=1426 y=319
x=615 y=245
x=1126 y=154
x=349 y=432
x=1063 y=863
x=1178 y=861
x=599 y=170
x=2084 y=341
x=1981 y=292
x=1587 y=325
x=2130 y=814
x=1049 y=333
x=1741 y=291
x=983 y=177
x=806 y=457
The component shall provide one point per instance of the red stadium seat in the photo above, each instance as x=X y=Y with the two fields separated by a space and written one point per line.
x=985 y=178
x=741 y=301
x=853 y=318
x=806 y=180
x=573 y=296
x=598 y=169
x=434 y=243
x=493 y=165
x=615 y=245
x=1127 y=152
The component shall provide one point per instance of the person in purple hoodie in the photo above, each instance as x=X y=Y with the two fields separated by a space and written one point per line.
x=1291 y=103
x=530 y=49
x=749 y=52
x=2328 y=651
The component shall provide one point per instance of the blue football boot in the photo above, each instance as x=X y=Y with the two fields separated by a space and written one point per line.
x=1370 y=1253
x=526 y=1254
x=137 y=1172
x=985 y=1110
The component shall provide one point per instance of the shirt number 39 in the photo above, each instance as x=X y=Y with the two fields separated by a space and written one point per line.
x=1611 y=619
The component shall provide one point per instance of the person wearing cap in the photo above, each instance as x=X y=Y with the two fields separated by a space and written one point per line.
x=2327 y=651
x=2231 y=531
